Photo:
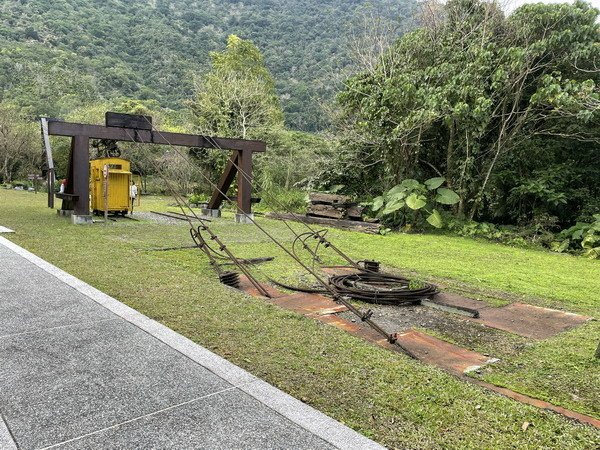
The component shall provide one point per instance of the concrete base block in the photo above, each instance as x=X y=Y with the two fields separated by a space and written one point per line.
x=81 y=220
x=211 y=212
x=244 y=218
x=64 y=212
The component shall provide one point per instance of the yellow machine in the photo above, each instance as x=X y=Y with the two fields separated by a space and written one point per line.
x=119 y=182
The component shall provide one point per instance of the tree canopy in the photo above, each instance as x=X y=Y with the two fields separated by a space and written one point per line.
x=469 y=90
x=237 y=98
x=60 y=54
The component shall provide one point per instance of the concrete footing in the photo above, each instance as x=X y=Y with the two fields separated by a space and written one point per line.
x=211 y=212
x=64 y=212
x=244 y=218
x=81 y=220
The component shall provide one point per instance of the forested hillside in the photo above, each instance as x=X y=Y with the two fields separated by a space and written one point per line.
x=58 y=54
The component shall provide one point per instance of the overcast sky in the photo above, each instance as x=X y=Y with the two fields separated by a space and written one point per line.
x=512 y=4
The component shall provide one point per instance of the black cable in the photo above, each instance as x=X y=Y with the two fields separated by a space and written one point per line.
x=379 y=288
x=383 y=289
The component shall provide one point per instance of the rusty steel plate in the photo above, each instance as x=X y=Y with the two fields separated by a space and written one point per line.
x=445 y=355
x=308 y=303
x=451 y=299
x=249 y=288
x=529 y=321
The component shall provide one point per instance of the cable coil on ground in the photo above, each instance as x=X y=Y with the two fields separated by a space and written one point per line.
x=380 y=288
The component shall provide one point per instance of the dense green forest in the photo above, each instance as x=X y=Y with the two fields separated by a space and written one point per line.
x=59 y=54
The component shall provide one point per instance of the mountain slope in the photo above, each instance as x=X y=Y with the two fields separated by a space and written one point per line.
x=58 y=54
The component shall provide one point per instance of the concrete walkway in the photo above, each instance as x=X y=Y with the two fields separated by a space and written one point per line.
x=80 y=370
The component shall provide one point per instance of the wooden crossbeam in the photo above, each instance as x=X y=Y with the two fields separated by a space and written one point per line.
x=152 y=137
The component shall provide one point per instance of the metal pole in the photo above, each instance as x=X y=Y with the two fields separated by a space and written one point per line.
x=105 y=186
x=50 y=161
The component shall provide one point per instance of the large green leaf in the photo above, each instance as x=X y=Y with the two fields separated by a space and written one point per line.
x=559 y=247
x=415 y=201
x=395 y=190
x=590 y=240
x=577 y=234
x=447 y=196
x=435 y=219
x=397 y=196
x=393 y=206
x=410 y=184
x=434 y=183
x=377 y=203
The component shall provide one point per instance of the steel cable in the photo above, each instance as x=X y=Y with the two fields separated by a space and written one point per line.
x=383 y=289
x=365 y=317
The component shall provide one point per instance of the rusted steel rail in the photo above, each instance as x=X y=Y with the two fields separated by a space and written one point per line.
x=178 y=216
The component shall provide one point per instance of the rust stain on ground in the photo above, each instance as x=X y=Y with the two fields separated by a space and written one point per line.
x=301 y=302
x=537 y=403
x=249 y=288
x=308 y=303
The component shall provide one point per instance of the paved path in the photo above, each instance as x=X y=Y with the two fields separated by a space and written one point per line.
x=80 y=370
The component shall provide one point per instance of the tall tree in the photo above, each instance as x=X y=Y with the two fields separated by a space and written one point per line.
x=20 y=147
x=237 y=98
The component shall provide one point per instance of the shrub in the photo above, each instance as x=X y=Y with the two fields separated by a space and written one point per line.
x=198 y=198
x=402 y=205
x=581 y=237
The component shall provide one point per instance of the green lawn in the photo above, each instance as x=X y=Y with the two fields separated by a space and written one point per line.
x=399 y=402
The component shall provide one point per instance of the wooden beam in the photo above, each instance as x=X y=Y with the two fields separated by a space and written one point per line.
x=50 y=161
x=152 y=137
x=225 y=182
x=244 y=199
x=352 y=225
x=113 y=119
x=78 y=180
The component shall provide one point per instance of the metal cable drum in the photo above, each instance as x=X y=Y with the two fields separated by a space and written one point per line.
x=383 y=289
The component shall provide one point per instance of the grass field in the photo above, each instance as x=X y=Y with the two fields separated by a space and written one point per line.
x=399 y=402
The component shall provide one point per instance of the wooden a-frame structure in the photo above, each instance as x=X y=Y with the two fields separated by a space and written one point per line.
x=132 y=128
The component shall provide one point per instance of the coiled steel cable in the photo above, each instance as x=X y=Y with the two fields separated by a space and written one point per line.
x=381 y=288
x=372 y=287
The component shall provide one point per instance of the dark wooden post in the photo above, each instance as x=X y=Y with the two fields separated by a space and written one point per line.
x=244 y=197
x=80 y=150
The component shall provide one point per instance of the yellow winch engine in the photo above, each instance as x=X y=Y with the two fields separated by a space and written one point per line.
x=119 y=178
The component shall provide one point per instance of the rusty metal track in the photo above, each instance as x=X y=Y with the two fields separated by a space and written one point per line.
x=178 y=216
